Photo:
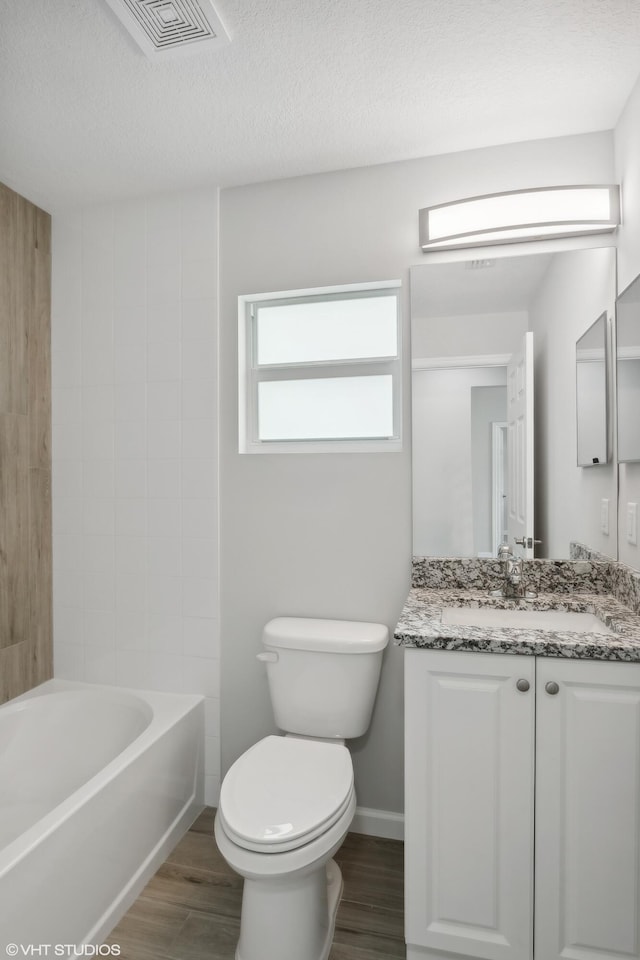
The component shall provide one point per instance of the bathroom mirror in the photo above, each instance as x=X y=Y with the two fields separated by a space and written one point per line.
x=592 y=395
x=468 y=319
x=628 y=372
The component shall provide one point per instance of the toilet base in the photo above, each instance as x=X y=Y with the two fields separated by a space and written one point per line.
x=296 y=920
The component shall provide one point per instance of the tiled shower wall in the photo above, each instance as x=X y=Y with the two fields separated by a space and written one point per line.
x=135 y=456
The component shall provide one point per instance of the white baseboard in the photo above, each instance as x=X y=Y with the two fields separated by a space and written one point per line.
x=378 y=823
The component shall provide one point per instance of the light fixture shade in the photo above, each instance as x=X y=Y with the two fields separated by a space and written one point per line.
x=540 y=213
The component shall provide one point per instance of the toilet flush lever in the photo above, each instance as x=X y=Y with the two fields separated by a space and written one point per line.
x=268 y=657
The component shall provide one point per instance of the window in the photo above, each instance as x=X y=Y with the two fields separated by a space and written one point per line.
x=320 y=370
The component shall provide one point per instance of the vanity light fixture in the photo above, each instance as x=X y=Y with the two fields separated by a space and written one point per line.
x=540 y=213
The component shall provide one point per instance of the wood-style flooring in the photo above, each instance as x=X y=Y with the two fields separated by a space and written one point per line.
x=190 y=910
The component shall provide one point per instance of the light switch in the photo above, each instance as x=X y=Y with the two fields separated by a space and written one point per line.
x=632 y=523
x=604 y=516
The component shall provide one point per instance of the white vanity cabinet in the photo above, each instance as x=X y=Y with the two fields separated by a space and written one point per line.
x=502 y=748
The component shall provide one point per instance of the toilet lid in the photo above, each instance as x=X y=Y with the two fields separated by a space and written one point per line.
x=284 y=791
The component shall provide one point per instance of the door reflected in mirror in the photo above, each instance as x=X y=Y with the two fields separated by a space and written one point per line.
x=468 y=318
x=592 y=395
x=628 y=372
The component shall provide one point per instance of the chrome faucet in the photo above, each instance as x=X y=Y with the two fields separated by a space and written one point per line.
x=512 y=573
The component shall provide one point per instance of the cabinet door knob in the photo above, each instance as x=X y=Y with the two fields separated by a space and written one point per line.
x=551 y=687
x=523 y=685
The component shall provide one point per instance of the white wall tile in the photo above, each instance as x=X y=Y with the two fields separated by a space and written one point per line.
x=200 y=637
x=98 y=517
x=131 y=518
x=68 y=660
x=67 y=478
x=66 y=585
x=163 y=518
x=198 y=279
x=201 y=676
x=129 y=263
x=200 y=558
x=198 y=359
x=164 y=322
x=165 y=633
x=163 y=282
x=199 y=440
x=199 y=479
x=135 y=448
x=68 y=622
x=199 y=399
x=130 y=362
x=164 y=214
x=66 y=405
x=198 y=320
x=131 y=478
x=99 y=554
x=212 y=717
x=132 y=630
x=199 y=597
x=66 y=440
x=163 y=360
x=67 y=552
x=163 y=439
x=99 y=591
x=98 y=403
x=129 y=324
x=131 y=401
x=200 y=518
x=163 y=400
x=131 y=593
x=98 y=479
x=199 y=239
x=99 y=665
x=163 y=478
x=100 y=629
x=163 y=246
x=97 y=440
x=67 y=515
x=165 y=595
x=131 y=555
x=130 y=439
x=212 y=790
x=211 y=755
x=164 y=557
x=199 y=206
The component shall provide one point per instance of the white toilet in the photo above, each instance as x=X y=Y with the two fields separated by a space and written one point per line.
x=287 y=803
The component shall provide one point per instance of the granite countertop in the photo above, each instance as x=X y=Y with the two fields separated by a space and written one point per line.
x=420 y=625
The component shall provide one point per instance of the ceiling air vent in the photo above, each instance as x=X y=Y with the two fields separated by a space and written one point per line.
x=166 y=26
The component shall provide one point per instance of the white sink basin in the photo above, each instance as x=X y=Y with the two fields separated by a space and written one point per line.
x=555 y=620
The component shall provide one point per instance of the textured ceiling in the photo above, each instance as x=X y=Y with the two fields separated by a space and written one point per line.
x=506 y=285
x=304 y=86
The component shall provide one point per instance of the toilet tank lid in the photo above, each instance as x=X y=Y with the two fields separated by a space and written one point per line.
x=344 y=636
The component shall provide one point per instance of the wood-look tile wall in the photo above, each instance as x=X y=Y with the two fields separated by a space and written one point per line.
x=26 y=631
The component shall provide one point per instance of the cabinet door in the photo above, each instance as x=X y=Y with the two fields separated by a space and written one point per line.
x=469 y=805
x=587 y=809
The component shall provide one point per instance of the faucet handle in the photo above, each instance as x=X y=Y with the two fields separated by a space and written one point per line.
x=505 y=551
x=526 y=542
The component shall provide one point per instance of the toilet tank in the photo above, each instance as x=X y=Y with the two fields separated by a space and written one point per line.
x=323 y=674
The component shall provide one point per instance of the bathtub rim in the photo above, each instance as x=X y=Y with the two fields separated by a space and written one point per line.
x=159 y=702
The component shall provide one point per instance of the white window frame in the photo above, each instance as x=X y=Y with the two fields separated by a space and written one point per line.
x=250 y=374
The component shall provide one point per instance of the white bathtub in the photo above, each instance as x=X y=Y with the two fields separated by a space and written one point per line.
x=97 y=784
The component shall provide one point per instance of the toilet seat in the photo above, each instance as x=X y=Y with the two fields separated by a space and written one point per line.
x=284 y=792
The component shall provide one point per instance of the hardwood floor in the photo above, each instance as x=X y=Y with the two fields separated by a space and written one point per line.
x=190 y=910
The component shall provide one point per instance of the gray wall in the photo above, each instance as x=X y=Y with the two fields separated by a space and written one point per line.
x=577 y=288
x=330 y=535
